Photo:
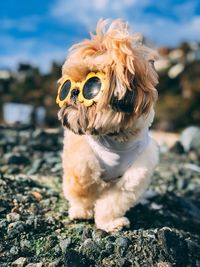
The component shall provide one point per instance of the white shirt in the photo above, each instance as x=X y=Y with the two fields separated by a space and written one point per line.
x=115 y=157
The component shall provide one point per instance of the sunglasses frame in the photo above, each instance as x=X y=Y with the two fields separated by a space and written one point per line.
x=79 y=85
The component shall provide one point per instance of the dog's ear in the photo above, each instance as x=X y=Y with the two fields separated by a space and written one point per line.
x=126 y=104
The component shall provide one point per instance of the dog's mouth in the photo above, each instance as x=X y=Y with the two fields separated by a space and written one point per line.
x=71 y=107
x=69 y=117
x=80 y=120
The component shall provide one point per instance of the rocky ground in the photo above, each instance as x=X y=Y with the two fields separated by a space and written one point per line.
x=35 y=230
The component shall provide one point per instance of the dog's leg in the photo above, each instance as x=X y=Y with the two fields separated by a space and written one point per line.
x=111 y=207
x=81 y=188
x=81 y=196
x=81 y=176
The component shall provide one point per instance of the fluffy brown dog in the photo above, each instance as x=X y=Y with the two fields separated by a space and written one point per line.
x=107 y=95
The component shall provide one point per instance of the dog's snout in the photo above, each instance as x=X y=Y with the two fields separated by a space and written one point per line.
x=74 y=93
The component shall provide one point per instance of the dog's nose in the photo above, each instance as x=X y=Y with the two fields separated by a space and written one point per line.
x=74 y=93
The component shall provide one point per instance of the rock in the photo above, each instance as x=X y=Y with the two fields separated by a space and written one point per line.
x=16 y=228
x=20 y=262
x=37 y=195
x=39 y=264
x=37 y=163
x=34 y=209
x=17 y=159
x=73 y=259
x=98 y=234
x=122 y=243
x=90 y=248
x=189 y=208
x=64 y=244
x=55 y=264
x=189 y=136
x=25 y=245
x=38 y=133
x=164 y=264
x=109 y=248
x=13 y=217
x=14 y=250
x=177 y=148
x=174 y=246
x=87 y=233
x=195 y=143
x=57 y=168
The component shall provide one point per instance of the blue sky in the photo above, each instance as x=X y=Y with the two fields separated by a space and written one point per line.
x=39 y=31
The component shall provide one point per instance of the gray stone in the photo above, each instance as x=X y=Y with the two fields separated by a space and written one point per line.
x=14 y=250
x=64 y=244
x=25 y=245
x=20 y=262
x=13 y=217
x=39 y=264
x=17 y=159
x=188 y=135
x=54 y=264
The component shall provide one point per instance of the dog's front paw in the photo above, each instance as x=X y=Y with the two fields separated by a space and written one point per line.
x=114 y=225
x=80 y=213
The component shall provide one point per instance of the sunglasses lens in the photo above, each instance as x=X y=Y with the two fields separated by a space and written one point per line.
x=91 y=88
x=65 y=90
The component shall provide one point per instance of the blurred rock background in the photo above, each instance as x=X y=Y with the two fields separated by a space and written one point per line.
x=179 y=91
x=179 y=87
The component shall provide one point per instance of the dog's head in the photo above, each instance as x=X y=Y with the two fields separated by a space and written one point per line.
x=108 y=81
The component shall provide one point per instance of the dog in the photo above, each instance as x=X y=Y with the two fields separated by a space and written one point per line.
x=106 y=97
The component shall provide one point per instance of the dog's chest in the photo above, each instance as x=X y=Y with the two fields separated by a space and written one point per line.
x=114 y=157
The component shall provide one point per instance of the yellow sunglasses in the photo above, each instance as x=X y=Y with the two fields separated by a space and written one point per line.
x=88 y=91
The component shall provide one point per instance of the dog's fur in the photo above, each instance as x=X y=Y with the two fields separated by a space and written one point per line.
x=125 y=109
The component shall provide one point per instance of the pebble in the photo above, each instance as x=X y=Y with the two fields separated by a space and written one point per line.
x=17 y=159
x=87 y=233
x=109 y=247
x=37 y=163
x=54 y=264
x=73 y=259
x=64 y=244
x=25 y=244
x=14 y=250
x=98 y=234
x=37 y=195
x=39 y=264
x=13 y=217
x=20 y=262
x=190 y=139
x=122 y=242
x=34 y=208
x=122 y=245
x=16 y=228
x=89 y=247
x=155 y=206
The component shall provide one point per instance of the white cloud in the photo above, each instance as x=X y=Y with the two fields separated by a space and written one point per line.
x=101 y=4
x=163 y=31
x=23 y=24
x=88 y=12
x=42 y=59
x=30 y=51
